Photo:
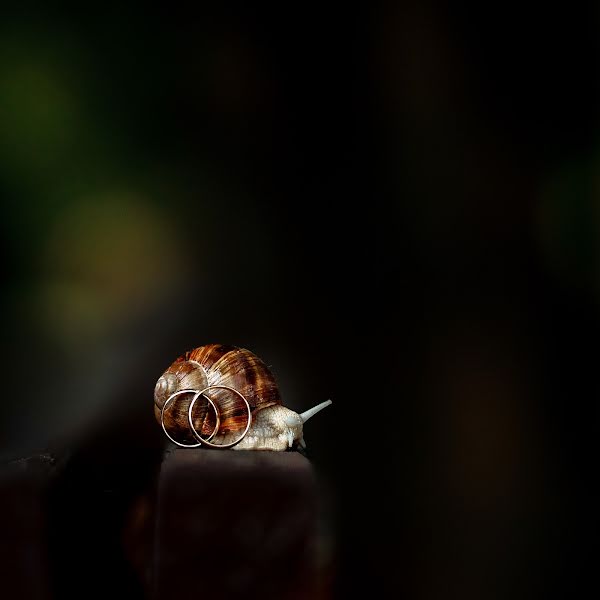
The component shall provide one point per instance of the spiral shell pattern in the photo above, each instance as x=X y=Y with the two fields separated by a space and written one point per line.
x=211 y=365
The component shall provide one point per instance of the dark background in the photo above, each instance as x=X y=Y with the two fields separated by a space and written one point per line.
x=395 y=206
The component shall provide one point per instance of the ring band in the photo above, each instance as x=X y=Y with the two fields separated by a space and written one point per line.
x=202 y=393
x=196 y=395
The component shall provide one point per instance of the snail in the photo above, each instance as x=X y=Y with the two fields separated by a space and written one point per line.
x=243 y=407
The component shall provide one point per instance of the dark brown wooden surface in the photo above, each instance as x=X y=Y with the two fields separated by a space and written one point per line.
x=24 y=569
x=202 y=523
x=235 y=524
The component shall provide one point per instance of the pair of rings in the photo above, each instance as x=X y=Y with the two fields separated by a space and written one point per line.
x=205 y=441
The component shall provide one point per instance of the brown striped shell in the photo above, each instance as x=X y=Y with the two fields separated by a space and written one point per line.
x=214 y=364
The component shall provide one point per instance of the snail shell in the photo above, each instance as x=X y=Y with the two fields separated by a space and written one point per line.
x=211 y=365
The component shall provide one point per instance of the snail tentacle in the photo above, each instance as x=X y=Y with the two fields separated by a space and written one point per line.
x=306 y=415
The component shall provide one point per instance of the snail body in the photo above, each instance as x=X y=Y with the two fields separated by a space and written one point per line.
x=222 y=369
x=276 y=428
